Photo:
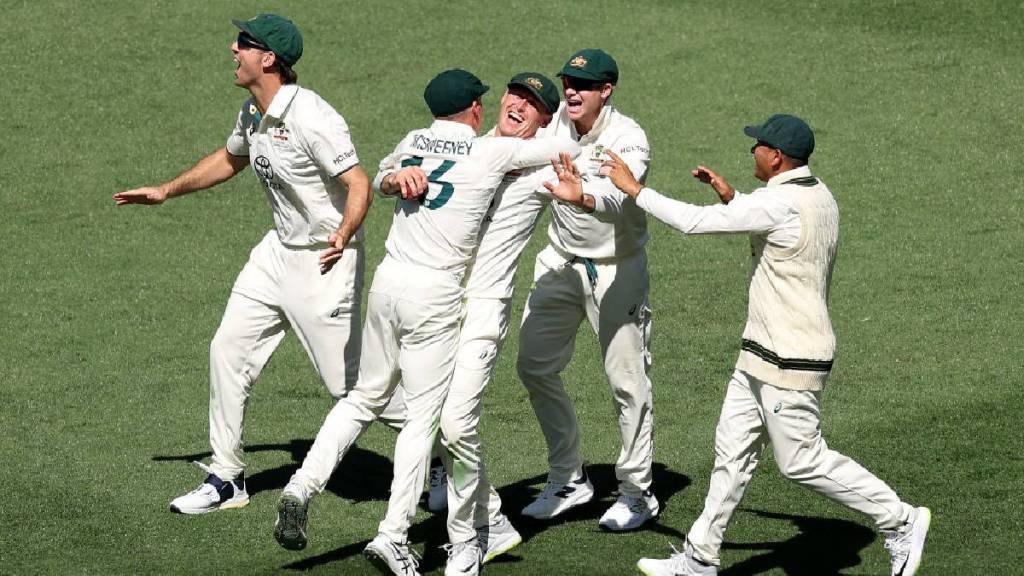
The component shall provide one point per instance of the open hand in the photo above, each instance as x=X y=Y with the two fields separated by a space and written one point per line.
x=616 y=169
x=707 y=176
x=570 y=184
x=147 y=195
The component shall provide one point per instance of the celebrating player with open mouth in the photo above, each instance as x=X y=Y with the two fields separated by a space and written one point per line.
x=413 y=311
x=300 y=149
x=595 y=267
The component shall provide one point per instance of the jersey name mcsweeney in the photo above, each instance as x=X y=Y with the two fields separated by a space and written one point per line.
x=438 y=146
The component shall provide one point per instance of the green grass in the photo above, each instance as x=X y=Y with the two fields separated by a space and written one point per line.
x=107 y=312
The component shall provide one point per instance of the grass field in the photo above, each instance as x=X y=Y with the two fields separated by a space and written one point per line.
x=107 y=312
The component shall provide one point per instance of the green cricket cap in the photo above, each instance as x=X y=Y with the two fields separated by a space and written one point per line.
x=540 y=86
x=591 y=64
x=787 y=133
x=277 y=33
x=452 y=91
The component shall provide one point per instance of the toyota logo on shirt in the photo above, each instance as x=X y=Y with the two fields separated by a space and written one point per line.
x=262 y=167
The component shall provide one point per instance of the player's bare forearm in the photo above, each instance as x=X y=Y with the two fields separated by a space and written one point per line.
x=357 y=205
x=215 y=168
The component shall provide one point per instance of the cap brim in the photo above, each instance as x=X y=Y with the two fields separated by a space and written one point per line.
x=536 y=93
x=242 y=25
x=753 y=131
x=581 y=74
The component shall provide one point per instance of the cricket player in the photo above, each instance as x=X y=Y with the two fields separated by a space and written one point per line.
x=595 y=267
x=302 y=153
x=787 y=350
x=527 y=106
x=414 y=307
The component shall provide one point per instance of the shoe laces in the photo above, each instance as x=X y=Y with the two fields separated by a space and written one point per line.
x=677 y=561
x=457 y=549
x=407 y=556
x=897 y=542
x=635 y=504
x=551 y=489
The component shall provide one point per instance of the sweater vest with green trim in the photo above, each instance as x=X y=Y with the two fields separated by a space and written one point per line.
x=788 y=340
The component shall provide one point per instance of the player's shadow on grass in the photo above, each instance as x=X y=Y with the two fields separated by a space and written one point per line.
x=362 y=475
x=431 y=533
x=824 y=547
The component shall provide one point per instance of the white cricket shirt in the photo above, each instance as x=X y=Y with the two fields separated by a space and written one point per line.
x=618 y=227
x=297 y=150
x=441 y=229
x=507 y=227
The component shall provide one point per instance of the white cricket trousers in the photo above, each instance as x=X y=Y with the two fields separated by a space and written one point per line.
x=755 y=413
x=281 y=287
x=472 y=501
x=612 y=296
x=411 y=335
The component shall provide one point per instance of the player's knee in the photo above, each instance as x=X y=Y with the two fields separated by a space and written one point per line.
x=222 y=348
x=798 y=467
x=455 y=428
x=531 y=371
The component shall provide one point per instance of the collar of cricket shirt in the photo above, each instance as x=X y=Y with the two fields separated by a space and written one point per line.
x=285 y=95
x=565 y=125
x=782 y=178
x=449 y=128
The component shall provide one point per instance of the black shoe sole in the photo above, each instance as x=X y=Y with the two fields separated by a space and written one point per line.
x=290 y=530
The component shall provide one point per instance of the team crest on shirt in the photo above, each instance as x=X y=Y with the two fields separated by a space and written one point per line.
x=578 y=62
x=254 y=114
x=279 y=132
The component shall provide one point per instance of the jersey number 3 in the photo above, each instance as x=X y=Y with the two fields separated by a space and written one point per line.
x=434 y=178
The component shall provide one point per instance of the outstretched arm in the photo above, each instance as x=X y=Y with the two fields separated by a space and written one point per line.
x=208 y=172
x=748 y=213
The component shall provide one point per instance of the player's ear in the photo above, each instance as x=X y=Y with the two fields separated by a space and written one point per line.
x=545 y=119
x=268 y=60
x=606 y=90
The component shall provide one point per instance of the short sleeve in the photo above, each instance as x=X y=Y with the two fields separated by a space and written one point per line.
x=238 y=140
x=327 y=140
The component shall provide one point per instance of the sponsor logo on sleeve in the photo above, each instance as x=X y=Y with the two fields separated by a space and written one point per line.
x=340 y=158
x=632 y=149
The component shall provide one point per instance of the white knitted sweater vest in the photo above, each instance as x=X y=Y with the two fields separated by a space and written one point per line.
x=788 y=340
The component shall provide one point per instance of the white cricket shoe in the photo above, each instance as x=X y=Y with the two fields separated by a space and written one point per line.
x=212 y=494
x=437 y=495
x=464 y=559
x=390 y=557
x=630 y=512
x=498 y=538
x=907 y=543
x=678 y=564
x=558 y=497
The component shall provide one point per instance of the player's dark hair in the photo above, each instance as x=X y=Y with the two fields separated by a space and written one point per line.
x=288 y=76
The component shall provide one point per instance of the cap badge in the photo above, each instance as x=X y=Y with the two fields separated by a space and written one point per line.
x=535 y=83
x=578 y=62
